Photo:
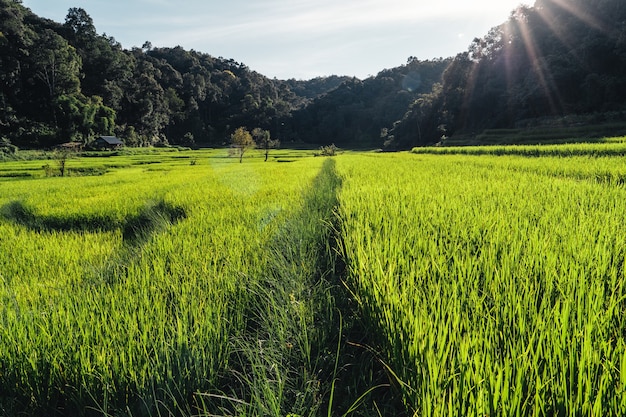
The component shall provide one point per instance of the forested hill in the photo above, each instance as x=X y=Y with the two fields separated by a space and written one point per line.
x=65 y=82
x=561 y=63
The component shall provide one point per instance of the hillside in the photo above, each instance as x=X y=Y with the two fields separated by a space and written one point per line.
x=553 y=67
x=557 y=66
x=65 y=82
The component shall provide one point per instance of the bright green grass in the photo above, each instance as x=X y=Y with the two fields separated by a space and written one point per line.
x=185 y=283
x=95 y=321
x=492 y=291
x=606 y=147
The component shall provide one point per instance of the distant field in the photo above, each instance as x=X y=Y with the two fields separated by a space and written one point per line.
x=585 y=130
x=602 y=147
x=479 y=282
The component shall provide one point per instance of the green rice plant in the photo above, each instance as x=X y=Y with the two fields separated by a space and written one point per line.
x=606 y=147
x=106 y=332
x=145 y=312
x=491 y=291
x=608 y=170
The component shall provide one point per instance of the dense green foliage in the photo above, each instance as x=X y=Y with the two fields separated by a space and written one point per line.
x=557 y=58
x=64 y=82
x=357 y=111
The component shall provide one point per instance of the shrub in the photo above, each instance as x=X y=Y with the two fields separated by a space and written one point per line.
x=328 y=150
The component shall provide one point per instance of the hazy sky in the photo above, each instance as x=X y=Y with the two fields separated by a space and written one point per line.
x=296 y=38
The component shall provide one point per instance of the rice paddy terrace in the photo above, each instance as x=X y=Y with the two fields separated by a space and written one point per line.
x=444 y=281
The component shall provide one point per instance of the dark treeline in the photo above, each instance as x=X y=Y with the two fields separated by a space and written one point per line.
x=65 y=82
x=356 y=112
x=559 y=58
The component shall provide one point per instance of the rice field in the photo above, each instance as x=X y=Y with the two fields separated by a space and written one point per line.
x=495 y=285
x=184 y=283
x=604 y=147
x=127 y=293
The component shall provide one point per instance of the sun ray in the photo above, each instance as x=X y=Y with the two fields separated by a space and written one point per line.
x=537 y=64
x=548 y=16
x=584 y=15
x=509 y=66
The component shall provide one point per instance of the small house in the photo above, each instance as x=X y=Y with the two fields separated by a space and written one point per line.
x=108 y=142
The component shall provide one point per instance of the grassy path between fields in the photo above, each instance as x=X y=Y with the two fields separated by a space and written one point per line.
x=282 y=362
x=303 y=351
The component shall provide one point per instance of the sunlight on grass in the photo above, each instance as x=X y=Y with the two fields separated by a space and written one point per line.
x=184 y=282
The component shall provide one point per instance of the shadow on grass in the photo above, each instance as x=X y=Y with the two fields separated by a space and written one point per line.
x=305 y=350
x=151 y=219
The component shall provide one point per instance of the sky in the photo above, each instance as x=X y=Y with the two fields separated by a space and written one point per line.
x=299 y=39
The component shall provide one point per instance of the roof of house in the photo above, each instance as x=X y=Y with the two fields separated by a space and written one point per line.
x=111 y=140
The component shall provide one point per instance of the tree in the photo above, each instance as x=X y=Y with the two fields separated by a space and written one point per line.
x=144 y=104
x=241 y=141
x=264 y=140
x=16 y=40
x=80 y=23
x=62 y=161
x=58 y=65
x=80 y=117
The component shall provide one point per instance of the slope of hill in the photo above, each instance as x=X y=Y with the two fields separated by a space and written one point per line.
x=63 y=82
x=558 y=61
x=557 y=64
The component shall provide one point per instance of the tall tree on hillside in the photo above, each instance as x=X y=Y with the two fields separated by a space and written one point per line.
x=144 y=104
x=105 y=66
x=15 y=40
x=80 y=23
x=57 y=66
x=80 y=117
